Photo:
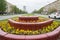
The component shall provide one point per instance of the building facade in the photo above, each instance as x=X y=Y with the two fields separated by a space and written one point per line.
x=9 y=7
x=55 y=5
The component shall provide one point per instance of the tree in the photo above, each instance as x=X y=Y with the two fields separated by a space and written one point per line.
x=15 y=9
x=38 y=11
x=2 y=5
x=35 y=11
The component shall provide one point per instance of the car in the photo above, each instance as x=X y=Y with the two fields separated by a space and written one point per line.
x=3 y=13
x=54 y=15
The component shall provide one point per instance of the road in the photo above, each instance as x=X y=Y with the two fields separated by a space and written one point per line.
x=46 y=16
x=10 y=16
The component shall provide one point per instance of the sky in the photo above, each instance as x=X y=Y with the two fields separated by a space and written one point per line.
x=31 y=5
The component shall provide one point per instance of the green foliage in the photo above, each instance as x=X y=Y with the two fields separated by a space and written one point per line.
x=38 y=11
x=17 y=10
x=2 y=5
x=35 y=11
x=28 y=15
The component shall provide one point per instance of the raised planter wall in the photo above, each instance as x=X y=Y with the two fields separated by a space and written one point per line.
x=29 y=18
x=30 y=26
x=47 y=36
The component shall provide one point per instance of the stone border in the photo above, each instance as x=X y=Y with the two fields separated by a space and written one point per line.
x=47 y=36
x=30 y=26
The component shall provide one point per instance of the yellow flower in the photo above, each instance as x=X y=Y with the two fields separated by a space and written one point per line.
x=17 y=31
x=21 y=30
x=33 y=32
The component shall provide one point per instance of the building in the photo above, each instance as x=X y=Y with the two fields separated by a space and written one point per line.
x=55 y=5
x=9 y=7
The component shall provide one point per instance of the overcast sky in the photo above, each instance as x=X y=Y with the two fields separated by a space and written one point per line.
x=30 y=4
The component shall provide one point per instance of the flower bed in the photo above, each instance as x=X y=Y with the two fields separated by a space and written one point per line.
x=47 y=36
x=7 y=28
x=49 y=32
x=29 y=26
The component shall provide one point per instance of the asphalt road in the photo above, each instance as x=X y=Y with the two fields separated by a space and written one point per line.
x=46 y=16
x=10 y=16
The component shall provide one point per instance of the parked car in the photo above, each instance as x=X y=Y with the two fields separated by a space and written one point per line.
x=54 y=15
x=3 y=13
